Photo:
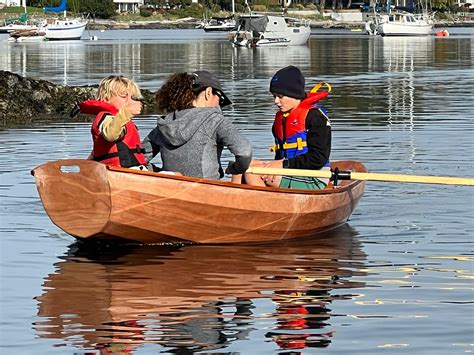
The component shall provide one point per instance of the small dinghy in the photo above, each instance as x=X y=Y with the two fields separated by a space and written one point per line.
x=91 y=200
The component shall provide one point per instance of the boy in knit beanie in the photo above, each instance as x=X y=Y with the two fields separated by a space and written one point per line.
x=290 y=82
x=302 y=133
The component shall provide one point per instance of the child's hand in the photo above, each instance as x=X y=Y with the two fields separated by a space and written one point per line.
x=270 y=179
x=133 y=106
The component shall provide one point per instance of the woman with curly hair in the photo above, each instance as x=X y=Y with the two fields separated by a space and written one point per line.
x=190 y=138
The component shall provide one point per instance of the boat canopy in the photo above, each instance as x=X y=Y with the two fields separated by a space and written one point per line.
x=22 y=18
x=60 y=8
x=253 y=23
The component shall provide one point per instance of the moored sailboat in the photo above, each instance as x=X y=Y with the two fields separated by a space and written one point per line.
x=257 y=30
x=262 y=30
x=64 y=28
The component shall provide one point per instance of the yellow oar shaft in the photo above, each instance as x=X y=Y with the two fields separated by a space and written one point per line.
x=290 y=172
x=423 y=179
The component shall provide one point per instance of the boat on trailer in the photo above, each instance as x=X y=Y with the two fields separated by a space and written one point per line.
x=90 y=200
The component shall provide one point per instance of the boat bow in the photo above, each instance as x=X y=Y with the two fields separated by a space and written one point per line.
x=75 y=196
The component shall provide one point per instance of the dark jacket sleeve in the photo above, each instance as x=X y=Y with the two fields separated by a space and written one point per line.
x=228 y=135
x=318 y=142
x=151 y=144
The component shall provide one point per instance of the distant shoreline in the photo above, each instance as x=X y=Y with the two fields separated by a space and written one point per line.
x=193 y=23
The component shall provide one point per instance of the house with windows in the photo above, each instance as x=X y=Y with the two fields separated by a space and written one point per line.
x=10 y=3
x=128 y=5
x=466 y=4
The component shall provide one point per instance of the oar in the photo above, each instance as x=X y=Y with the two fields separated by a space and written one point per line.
x=352 y=175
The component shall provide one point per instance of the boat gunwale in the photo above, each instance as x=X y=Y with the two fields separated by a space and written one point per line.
x=325 y=191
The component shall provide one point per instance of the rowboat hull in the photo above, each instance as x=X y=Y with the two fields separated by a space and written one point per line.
x=90 y=200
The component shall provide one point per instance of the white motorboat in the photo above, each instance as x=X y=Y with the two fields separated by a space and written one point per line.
x=217 y=24
x=399 y=23
x=65 y=29
x=258 y=30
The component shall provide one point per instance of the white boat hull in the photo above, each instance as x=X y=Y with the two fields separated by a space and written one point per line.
x=273 y=42
x=16 y=27
x=65 y=30
x=399 y=23
x=298 y=36
x=224 y=27
x=400 y=29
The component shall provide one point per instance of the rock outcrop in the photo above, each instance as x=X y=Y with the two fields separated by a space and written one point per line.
x=23 y=101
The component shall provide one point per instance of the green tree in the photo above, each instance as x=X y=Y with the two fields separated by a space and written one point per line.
x=101 y=9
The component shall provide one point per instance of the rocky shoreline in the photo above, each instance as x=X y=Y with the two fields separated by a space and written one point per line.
x=25 y=101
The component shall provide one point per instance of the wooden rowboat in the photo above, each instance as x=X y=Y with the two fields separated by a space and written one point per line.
x=90 y=200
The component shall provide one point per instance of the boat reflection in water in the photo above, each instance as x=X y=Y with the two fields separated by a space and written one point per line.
x=199 y=297
x=406 y=101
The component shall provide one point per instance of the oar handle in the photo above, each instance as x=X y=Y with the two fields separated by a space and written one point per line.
x=333 y=175
x=336 y=175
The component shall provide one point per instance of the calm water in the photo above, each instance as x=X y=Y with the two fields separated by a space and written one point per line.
x=398 y=278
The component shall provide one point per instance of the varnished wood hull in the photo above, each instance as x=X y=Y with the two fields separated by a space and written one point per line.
x=99 y=202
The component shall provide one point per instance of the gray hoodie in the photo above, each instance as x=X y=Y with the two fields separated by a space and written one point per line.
x=191 y=142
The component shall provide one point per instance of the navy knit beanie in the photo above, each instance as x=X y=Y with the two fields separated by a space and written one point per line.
x=288 y=81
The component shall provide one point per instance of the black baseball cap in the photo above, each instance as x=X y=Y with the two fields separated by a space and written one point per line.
x=204 y=79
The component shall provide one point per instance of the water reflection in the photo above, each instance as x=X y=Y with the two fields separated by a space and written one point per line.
x=400 y=54
x=263 y=61
x=199 y=297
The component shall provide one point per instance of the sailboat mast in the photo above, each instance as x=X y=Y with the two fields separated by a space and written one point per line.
x=23 y=3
